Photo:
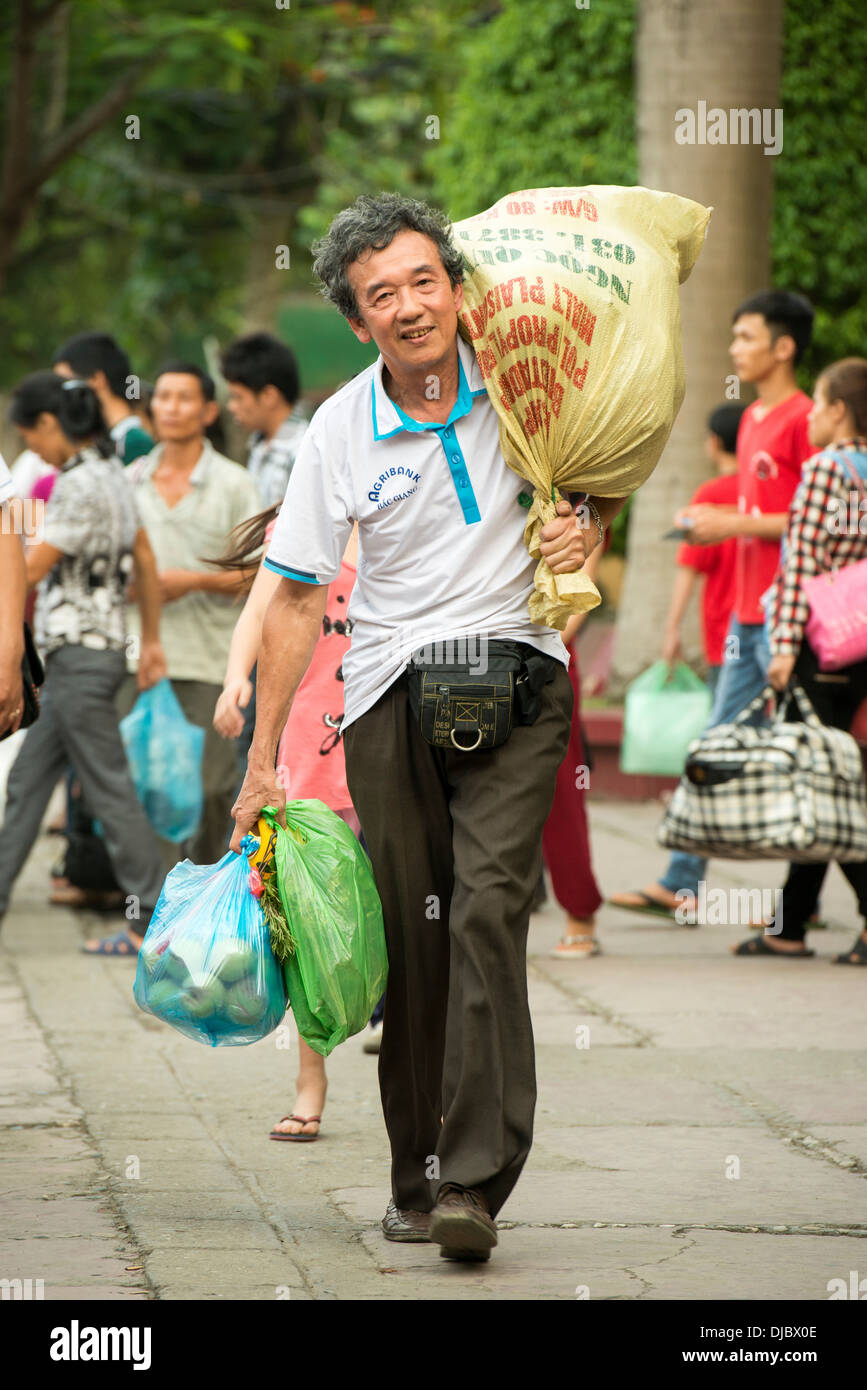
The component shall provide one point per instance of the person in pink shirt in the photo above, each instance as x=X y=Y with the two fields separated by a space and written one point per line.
x=310 y=757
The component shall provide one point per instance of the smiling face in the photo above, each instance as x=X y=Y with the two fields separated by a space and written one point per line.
x=406 y=305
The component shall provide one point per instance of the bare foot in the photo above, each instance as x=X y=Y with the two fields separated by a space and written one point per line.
x=309 y=1100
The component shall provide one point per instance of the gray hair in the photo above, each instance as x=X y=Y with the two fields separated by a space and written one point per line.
x=371 y=224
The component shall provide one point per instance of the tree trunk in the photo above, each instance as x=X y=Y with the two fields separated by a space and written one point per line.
x=725 y=53
x=266 y=284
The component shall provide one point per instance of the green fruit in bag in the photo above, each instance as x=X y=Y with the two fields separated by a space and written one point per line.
x=243 y=1005
x=203 y=999
x=176 y=966
x=162 y=996
x=236 y=964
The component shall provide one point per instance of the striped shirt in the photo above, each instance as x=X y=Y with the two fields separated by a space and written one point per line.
x=827 y=529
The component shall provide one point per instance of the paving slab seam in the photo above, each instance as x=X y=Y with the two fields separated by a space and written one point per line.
x=101 y=1190
x=646 y=1290
x=283 y=1233
x=851 y=1232
x=244 y=1176
x=680 y=1228
x=250 y=1182
x=590 y=1006
x=789 y=1132
x=649 y=1288
x=43 y=1124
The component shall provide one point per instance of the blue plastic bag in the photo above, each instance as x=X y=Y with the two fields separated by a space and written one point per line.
x=206 y=964
x=164 y=752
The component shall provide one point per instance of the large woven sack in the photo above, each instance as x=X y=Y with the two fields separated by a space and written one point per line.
x=571 y=305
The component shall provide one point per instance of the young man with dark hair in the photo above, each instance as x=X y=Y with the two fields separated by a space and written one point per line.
x=189 y=498
x=103 y=364
x=770 y=333
x=264 y=386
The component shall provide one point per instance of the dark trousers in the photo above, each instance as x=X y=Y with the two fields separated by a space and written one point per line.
x=835 y=696
x=455 y=840
x=78 y=724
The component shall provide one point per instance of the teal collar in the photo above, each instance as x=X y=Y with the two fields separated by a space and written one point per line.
x=382 y=405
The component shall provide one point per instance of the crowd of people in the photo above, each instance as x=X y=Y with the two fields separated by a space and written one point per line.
x=282 y=599
x=789 y=468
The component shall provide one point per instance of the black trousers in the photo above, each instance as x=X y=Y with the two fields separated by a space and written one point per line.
x=455 y=840
x=835 y=696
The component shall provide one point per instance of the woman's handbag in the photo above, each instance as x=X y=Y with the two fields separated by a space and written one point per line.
x=837 y=625
x=32 y=677
x=786 y=791
x=474 y=706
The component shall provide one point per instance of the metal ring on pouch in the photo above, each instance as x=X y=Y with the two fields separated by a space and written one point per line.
x=463 y=747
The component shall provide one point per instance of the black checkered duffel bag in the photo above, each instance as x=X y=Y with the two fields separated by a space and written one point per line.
x=786 y=791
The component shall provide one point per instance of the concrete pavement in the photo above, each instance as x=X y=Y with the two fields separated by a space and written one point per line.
x=700 y=1130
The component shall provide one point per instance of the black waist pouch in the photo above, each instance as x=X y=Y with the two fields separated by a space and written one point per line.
x=472 y=707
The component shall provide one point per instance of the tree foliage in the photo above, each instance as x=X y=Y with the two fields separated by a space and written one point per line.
x=249 y=112
x=546 y=97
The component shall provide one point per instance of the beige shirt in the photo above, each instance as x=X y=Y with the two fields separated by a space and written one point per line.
x=195 y=630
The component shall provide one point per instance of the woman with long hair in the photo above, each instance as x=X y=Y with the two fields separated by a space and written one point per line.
x=91 y=544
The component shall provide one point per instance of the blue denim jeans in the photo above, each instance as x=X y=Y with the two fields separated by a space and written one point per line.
x=742 y=677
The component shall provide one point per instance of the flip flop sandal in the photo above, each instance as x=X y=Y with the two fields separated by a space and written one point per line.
x=298 y=1138
x=758 y=946
x=857 y=955
x=650 y=907
x=118 y=945
x=567 y=941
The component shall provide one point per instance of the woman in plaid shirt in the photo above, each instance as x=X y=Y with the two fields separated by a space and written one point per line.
x=827 y=530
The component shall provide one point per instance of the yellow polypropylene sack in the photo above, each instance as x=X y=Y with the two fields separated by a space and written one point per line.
x=571 y=306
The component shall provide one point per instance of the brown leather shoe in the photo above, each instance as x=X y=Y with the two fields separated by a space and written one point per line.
x=462 y=1225
x=405 y=1225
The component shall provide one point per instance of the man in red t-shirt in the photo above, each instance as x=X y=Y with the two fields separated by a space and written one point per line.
x=771 y=331
x=715 y=562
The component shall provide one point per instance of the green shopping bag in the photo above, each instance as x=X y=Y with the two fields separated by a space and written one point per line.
x=336 y=965
x=665 y=710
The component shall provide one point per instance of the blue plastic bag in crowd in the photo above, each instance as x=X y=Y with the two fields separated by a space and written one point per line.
x=206 y=964
x=164 y=752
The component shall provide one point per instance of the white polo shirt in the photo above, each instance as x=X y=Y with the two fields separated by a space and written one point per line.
x=440 y=528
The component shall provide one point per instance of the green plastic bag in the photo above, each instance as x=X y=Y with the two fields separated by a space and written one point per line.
x=665 y=711
x=336 y=973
